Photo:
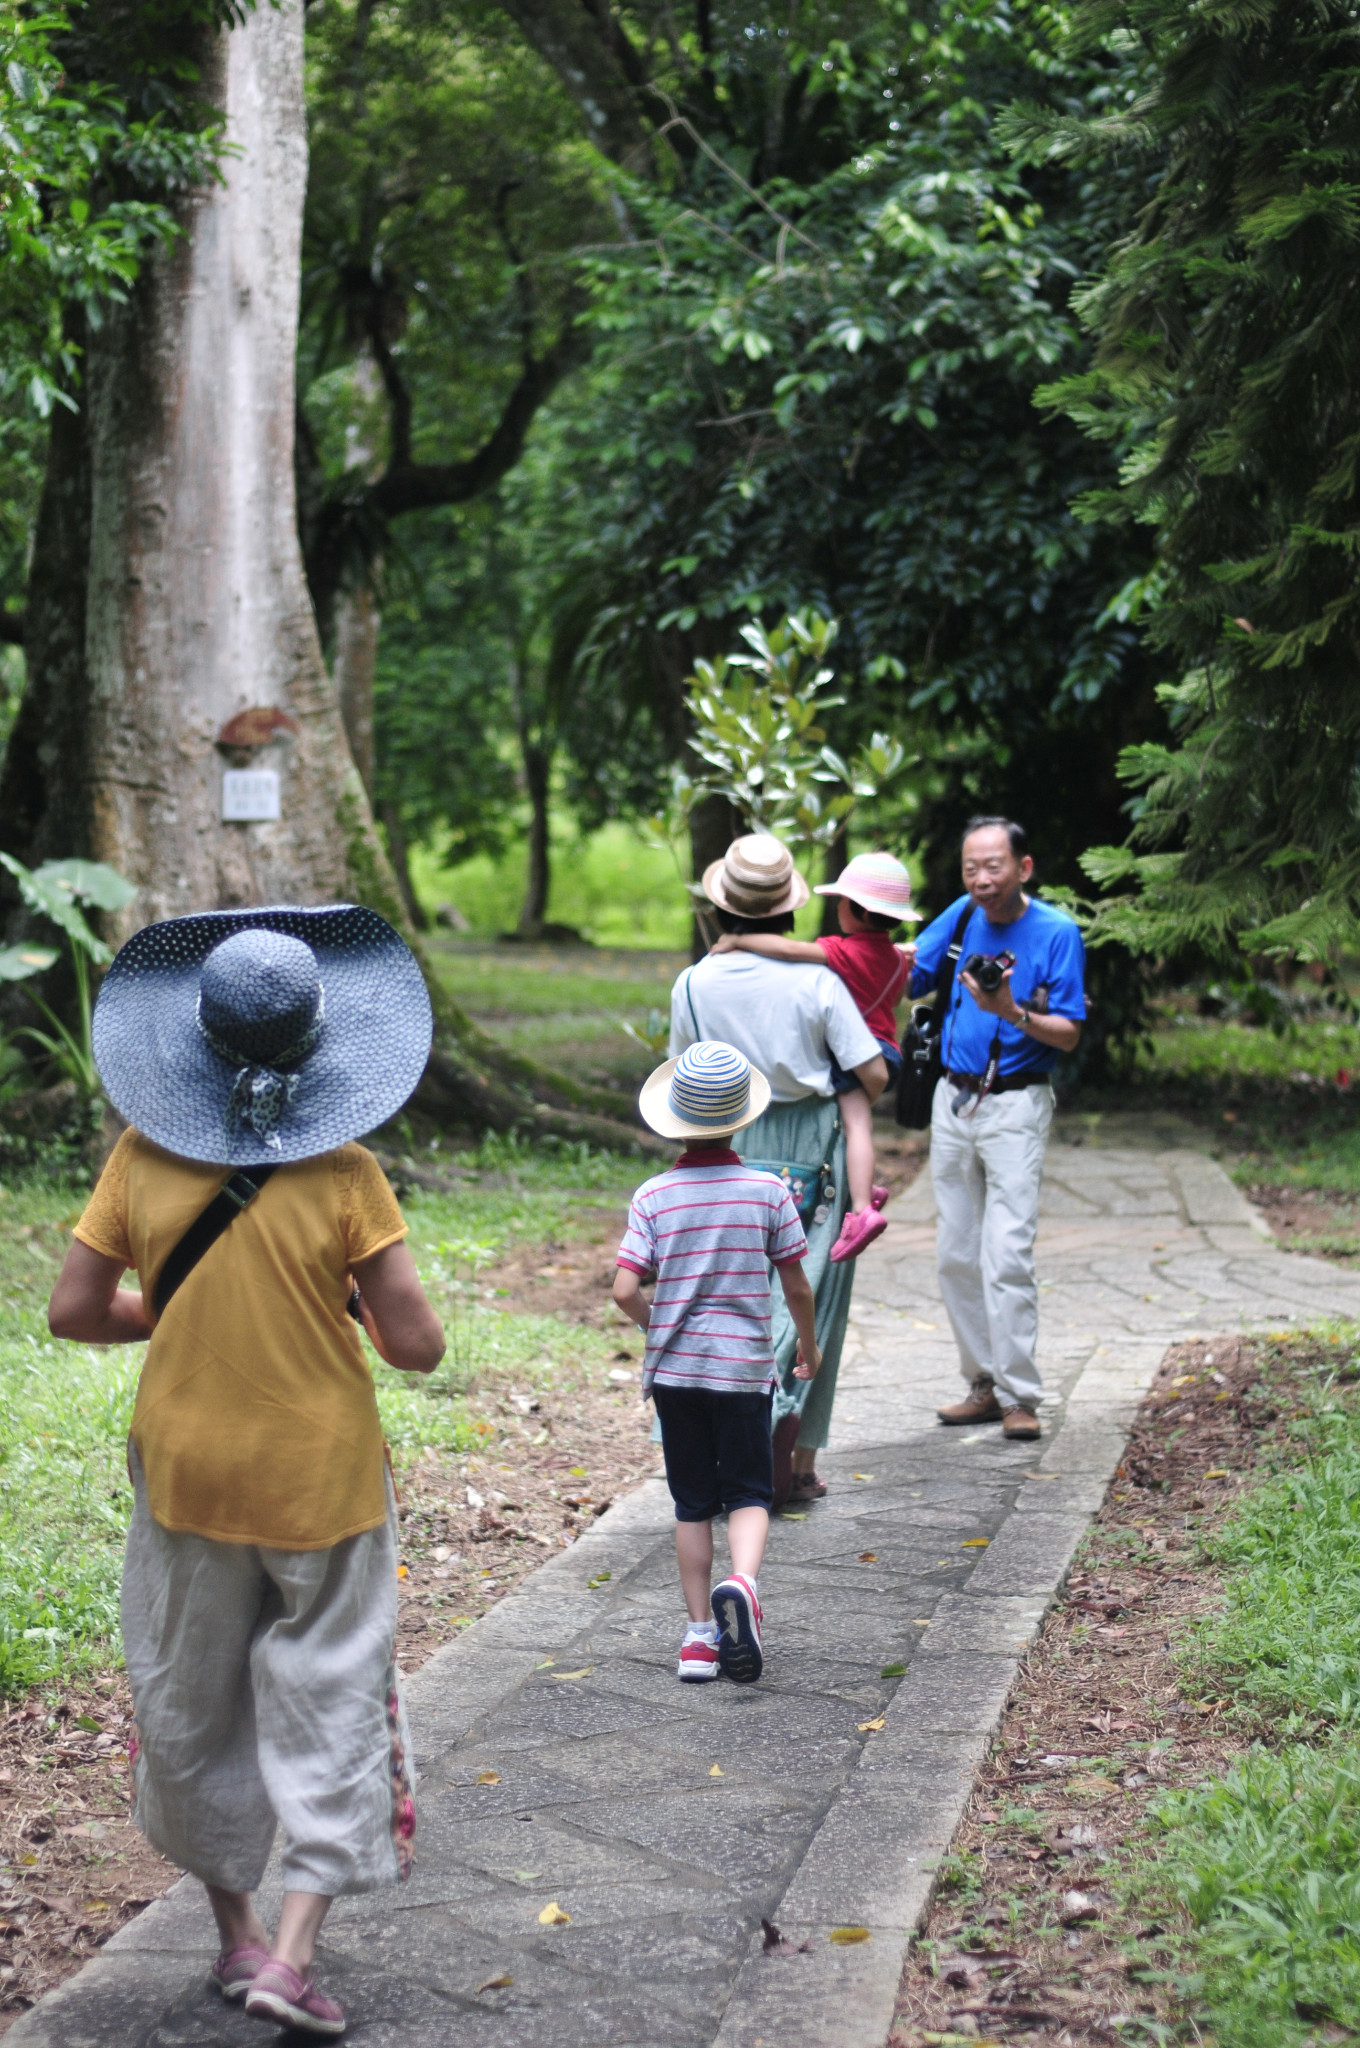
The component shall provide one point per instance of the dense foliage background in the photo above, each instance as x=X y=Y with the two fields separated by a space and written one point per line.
x=1017 y=337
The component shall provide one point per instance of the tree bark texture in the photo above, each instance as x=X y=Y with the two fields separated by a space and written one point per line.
x=357 y=623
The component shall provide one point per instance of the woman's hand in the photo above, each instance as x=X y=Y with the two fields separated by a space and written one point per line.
x=730 y=942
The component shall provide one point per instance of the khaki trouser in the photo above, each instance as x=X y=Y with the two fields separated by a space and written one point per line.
x=986 y=1165
x=265 y=1693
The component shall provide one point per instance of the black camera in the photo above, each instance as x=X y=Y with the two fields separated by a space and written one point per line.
x=988 y=970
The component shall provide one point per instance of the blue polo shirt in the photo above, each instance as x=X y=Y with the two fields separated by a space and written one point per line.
x=1048 y=954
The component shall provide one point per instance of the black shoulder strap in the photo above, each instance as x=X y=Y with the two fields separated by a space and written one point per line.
x=947 y=966
x=236 y=1193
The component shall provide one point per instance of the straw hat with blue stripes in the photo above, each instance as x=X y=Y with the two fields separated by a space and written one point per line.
x=709 y=1092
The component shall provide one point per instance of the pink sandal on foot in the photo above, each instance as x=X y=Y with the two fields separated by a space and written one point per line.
x=237 y=1968
x=280 y=1994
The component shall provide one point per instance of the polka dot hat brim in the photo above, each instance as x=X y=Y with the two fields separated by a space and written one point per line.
x=162 y=1076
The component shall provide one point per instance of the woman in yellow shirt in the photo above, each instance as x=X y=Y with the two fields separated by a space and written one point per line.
x=251 y=1048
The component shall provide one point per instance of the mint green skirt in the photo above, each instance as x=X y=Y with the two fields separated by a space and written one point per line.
x=806 y=1133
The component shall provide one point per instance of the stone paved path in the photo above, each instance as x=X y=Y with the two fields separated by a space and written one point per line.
x=665 y=1821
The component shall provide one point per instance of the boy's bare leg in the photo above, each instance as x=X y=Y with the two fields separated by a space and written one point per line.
x=747 y=1529
x=859 y=1147
x=694 y=1553
x=299 y=1924
x=238 y=1924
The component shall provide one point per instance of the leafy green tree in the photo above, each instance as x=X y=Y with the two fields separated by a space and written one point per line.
x=447 y=181
x=86 y=165
x=1227 y=376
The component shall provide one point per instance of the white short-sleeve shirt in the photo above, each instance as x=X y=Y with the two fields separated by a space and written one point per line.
x=788 y=1019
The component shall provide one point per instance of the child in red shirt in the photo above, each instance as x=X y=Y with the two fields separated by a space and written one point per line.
x=875 y=897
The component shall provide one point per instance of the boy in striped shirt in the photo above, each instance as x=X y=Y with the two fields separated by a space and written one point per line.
x=709 y=1229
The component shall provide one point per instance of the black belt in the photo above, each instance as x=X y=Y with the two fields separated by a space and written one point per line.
x=1002 y=1085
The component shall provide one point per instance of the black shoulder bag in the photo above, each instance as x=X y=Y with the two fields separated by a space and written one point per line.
x=923 y=1041
x=236 y=1193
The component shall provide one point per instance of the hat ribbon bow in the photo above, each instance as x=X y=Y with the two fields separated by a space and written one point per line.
x=260 y=1094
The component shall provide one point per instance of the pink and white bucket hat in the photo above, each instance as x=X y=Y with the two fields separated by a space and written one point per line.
x=877 y=882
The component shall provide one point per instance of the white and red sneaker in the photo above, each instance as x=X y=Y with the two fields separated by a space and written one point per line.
x=698 y=1655
x=737 y=1613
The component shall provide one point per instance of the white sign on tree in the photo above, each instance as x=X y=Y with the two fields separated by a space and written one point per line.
x=249 y=795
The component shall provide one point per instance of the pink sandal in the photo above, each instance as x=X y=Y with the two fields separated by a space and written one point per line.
x=281 y=1994
x=857 y=1234
x=237 y=1968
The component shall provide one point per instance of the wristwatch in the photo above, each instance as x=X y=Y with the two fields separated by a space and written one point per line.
x=1024 y=1017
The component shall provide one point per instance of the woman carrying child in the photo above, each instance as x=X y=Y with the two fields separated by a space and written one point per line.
x=796 y=1025
x=874 y=893
x=247 y=1050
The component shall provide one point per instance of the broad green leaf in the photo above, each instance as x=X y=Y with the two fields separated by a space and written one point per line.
x=17 y=963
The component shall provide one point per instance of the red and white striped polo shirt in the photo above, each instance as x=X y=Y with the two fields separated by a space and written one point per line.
x=710 y=1228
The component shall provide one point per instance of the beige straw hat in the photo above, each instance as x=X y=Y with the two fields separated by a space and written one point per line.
x=756 y=877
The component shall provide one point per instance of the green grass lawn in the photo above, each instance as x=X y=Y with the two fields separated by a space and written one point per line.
x=566 y=1006
x=64 y=1496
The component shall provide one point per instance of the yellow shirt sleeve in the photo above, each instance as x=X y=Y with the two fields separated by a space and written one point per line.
x=104 y=1223
x=370 y=1217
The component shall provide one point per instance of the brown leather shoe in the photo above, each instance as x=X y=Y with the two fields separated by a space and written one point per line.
x=979 y=1405
x=1021 y=1425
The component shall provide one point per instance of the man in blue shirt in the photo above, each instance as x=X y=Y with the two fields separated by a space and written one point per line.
x=992 y=1111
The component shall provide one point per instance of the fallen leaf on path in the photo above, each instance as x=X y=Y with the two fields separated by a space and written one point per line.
x=527 y=1876
x=861 y=1475
x=717 y=1772
x=922 y=1621
x=792 y=1515
x=501 y=1983
x=1218 y=1473
x=871 y=1727
x=923 y=1326
x=845 y=1937
x=868 y=1557
x=975 y=1542
x=562 y=1676
x=776 y=1944
x=892 y=1671
x=553 y=1916
x=489 y=1778
x=1094 y=1785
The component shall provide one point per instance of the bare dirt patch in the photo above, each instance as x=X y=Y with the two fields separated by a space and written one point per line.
x=1317 y=1220
x=1028 y=1936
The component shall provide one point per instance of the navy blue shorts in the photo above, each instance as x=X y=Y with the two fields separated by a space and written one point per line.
x=846 y=1084
x=717 y=1450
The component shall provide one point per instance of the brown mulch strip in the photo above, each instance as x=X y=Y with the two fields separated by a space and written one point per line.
x=1027 y=1937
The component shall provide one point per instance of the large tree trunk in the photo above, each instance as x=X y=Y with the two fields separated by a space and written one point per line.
x=538 y=879
x=198 y=607
x=168 y=592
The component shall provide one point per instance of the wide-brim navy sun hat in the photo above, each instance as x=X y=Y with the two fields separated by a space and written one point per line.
x=308 y=1029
